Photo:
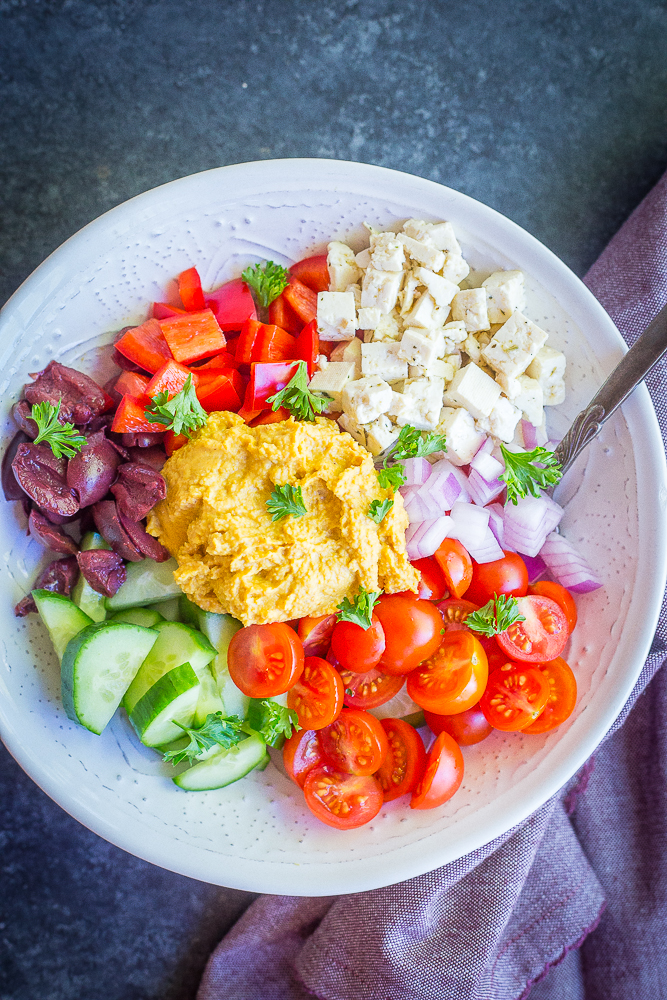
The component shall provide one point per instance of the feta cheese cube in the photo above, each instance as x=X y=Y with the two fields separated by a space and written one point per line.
x=363 y=259
x=503 y=419
x=554 y=392
x=436 y=369
x=442 y=290
x=369 y=317
x=336 y=315
x=421 y=347
x=331 y=380
x=407 y=296
x=387 y=252
x=456 y=332
x=474 y=390
x=547 y=365
x=454 y=359
x=356 y=291
x=455 y=268
x=383 y=360
x=504 y=294
x=509 y=384
x=349 y=350
x=389 y=327
x=472 y=348
x=463 y=438
x=426 y=395
x=380 y=289
x=514 y=345
x=470 y=307
x=381 y=435
x=423 y=252
x=366 y=398
x=440 y=234
x=530 y=399
x=353 y=427
x=422 y=313
x=342 y=267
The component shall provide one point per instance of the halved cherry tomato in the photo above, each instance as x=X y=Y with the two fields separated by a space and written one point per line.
x=453 y=679
x=443 y=774
x=514 y=697
x=456 y=565
x=342 y=800
x=190 y=290
x=315 y=634
x=494 y=653
x=432 y=585
x=455 y=612
x=467 y=728
x=412 y=631
x=355 y=743
x=541 y=637
x=317 y=696
x=562 y=597
x=358 y=649
x=265 y=660
x=502 y=576
x=405 y=763
x=562 y=697
x=301 y=753
x=313 y=271
x=369 y=690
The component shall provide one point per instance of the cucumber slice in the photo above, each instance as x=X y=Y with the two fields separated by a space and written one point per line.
x=189 y=612
x=209 y=700
x=176 y=644
x=234 y=700
x=148 y=617
x=173 y=698
x=220 y=629
x=147 y=582
x=169 y=609
x=83 y=594
x=98 y=665
x=224 y=767
x=63 y=619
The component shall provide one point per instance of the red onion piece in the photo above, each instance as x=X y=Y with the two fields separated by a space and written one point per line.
x=567 y=567
x=497 y=523
x=59 y=577
x=536 y=567
x=529 y=435
x=104 y=570
x=529 y=521
x=469 y=525
x=91 y=472
x=43 y=477
x=418 y=509
x=488 y=550
x=50 y=536
x=487 y=466
x=137 y=490
x=417 y=471
x=481 y=491
x=445 y=486
x=424 y=539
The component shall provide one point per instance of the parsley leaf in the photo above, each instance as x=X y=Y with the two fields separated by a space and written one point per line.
x=496 y=616
x=215 y=731
x=277 y=721
x=182 y=413
x=391 y=477
x=286 y=500
x=360 y=610
x=411 y=444
x=379 y=509
x=268 y=281
x=297 y=397
x=522 y=476
x=63 y=439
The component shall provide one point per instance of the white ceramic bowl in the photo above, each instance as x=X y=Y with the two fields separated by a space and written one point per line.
x=257 y=834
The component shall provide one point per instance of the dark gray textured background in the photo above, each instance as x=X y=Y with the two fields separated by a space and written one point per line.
x=554 y=113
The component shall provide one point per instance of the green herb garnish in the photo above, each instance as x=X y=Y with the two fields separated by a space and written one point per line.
x=379 y=509
x=286 y=500
x=391 y=477
x=268 y=281
x=411 y=444
x=63 y=439
x=523 y=476
x=278 y=721
x=181 y=414
x=496 y=616
x=359 y=611
x=215 y=731
x=297 y=397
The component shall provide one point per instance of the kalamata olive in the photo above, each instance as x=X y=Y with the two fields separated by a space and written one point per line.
x=154 y=458
x=44 y=478
x=137 y=490
x=91 y=472
x=57 y=518
x=10 y=485
x=58 y=577
x=120 y=359
x=135 y=440
x=80 y=397
x=112 y=531
x=104 y=570
x=146 y=544
x=21 y=413
x=50 y=536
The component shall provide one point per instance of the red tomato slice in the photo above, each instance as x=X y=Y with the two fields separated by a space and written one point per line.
x=514 y=697
x=313 y=271
x=315 y=634
x=502 y=576
x=355 y=743
x=562 y=697
x=358 y=649
x=455 y=612
x=562 y=597
x=404 y=765
x=412 y=630
x=317 y=696
x=432 y=585
x=541 y=637
x=265 y=660
x=453 y=679
x=467 y=728
x=369 y=690
x=301 y=753
x=342 y=800
x=456 y=565
x=443 y=774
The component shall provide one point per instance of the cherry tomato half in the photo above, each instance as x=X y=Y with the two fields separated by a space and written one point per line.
x=508 y=575
x=358 y=649
x=317 y=696
x=432 y=585
x=453 y=679
x=342 y=800
x=514 y=697
x=494 y=653
x=301 y=753
x=412 y=631
x=443 y=774
x=455 y=612
x=562 y=597
x=404 y=765
x=369 y=690
x=355 y=743
x=315 y=634
x=562 y=697
x=456 y=565
x=265 y=660
x=541 y=637
x=467 y=728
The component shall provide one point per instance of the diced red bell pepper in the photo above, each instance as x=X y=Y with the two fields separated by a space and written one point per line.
x=302 y=299
x=232 y=304
x=246 y=341
x=271 y=417
x=172 y=442
x=247 y=411
x=145 y=345
x=162 y=310
x=190 y=290
x=273 y=344
x=170 y=378
x=132 y=384
x=193 y=336
x=222 y=360
x=130 y=418
x=225 y=391
x=266 y=379
x=307 y=347
x=313 y=272
x=282 y=314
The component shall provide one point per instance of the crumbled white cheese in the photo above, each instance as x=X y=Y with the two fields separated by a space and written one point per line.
x=366 y=398
x=503 y=419
x=421 y=347
x=547 y=365
x=505 y=294
x=456 y=332
x=463 y=438
x=387 y=252
x=389 y=327
x=423 y=253
x=470 y=307
x=369 y=317
x=473 y=389
x=422 y=313
x=455 y=268
x=381 y=435
x=353 y=427
x=530 y=399
x=514 y=345
x=380 y=289
x=442 y=290
x=419 y=404
x=441 y=235
x=383 y=360
x=342 y=267
x=336 y=315
x=332 y=380
x=363 y=259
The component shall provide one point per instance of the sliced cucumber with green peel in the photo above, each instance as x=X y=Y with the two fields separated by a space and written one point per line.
x=169 y=609
x=234 y=700
x=148 y=617
x=97 y=666
x=220 y=629
x=176 y=644
x=188 y=611
x=209 y=701
x=63 y=619
x=148 y=582
x=83 y=594
x=173 y=698
x=224 y=767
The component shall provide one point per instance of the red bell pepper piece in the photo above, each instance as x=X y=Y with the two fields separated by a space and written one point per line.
x=162 y=310
x=222 y=360
x=190 y=290
x=170 y=378
x=266 y=379
x=273 y=344
x=232 y=304
x=307 y=347
x=145 y=345
x=172 y=442
x=132 y=384
x=247 y=411
x=225 y=391
x=246 y=341
x=282 y=314
x=193 y=336
x=271 y=417
x=302 y=299
x=130 y=418
x=313 y=272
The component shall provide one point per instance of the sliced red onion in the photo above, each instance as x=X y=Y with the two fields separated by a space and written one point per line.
x=427 y=537
x=529 y=521
x=417 y=471
x=446 y=485
x=529 y=435
x=536 y=567
x=568 y=567
x=482 y=491
x=487 y=466
x=408 y=491
x=488 y=551
x=469 y=524
x=497 y=523
x=418 y=509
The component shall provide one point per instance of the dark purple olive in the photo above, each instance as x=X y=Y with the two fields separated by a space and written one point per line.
x=50 y=536
x=120 y=359
x=104 y=570
x=21 y=413
x=111 y=390
x=10 y=486
x=44 y=478
x=137 y=490
x=141 y=440
x=101 y=423
x=146 y=544
x=80 y=397
x=91 y=472
x=59 y=577
x=113 y=532
x=154 y=458
x=57 y=518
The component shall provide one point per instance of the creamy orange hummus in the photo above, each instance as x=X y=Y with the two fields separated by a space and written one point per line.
x=233 y=558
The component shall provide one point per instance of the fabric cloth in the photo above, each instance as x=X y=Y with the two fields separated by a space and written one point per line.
x=496 y=924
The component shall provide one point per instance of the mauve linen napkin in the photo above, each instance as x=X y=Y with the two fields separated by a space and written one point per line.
x=491 y=925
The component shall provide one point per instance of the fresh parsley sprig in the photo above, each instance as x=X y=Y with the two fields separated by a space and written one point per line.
x=214 y=731
x=390 y=477
x=496 y=616
x=379 y=509
x=411 y=444
x=268 y=281
x=277 y=721
x=286 y=500
x=359 y=611
x=181 y=414
x=523 y=476
x=297 y=397
x=63 y=439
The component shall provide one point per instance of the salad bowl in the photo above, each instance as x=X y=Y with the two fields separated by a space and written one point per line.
x=257 y=834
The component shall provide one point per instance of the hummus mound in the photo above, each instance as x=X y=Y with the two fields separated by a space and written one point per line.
x=233 y=558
